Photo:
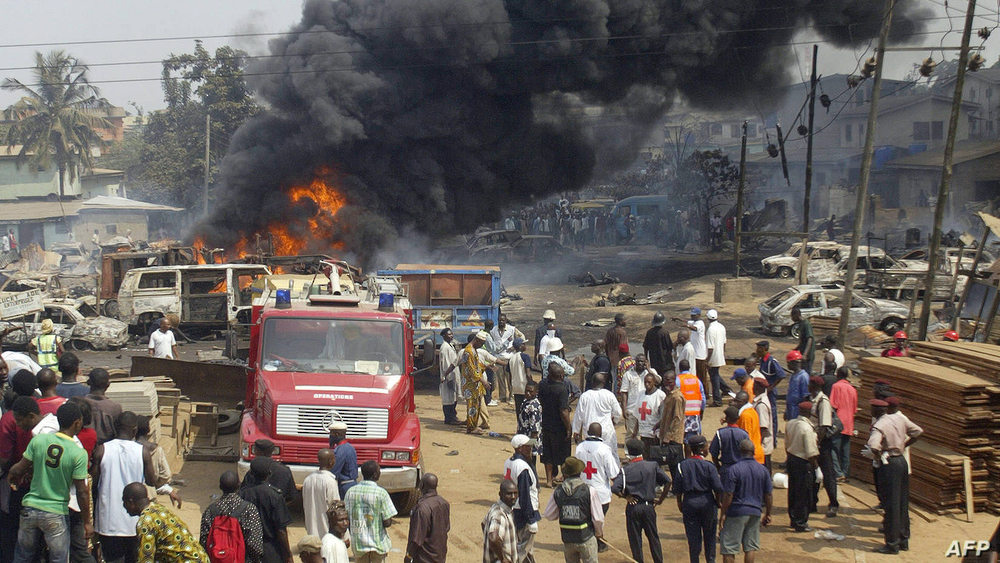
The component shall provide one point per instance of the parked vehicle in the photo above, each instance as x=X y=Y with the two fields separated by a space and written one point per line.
x=786 y=264
x=869 y=258
x=75 y=321
x=114 y=266
x=461 y=298
x=325 y=357
x=826 y=300
x=207 y=297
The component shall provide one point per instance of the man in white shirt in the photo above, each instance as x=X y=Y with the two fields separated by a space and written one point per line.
x=319 y=492
x=600 y=406
x=14 y=362
x=684 y=349
x=631 y=393
x=715 y=344
x=600 y=466
x=503 y=335
x=697 y=327
x=650 y=411
x=162 y=343
x=451 y=380
x=543 y=344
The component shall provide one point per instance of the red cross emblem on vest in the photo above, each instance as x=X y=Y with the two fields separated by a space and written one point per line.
x=590 y=470
x=507 y=474
x=644 y=410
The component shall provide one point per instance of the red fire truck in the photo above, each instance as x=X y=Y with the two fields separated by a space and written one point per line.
x=326 y=355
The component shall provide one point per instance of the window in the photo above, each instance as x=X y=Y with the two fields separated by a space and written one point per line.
x=158 y=280
x=111 y=229
x=928 y=130
x=324 y=345
x=716 y=129
x=735 y=131
x=849 y=133
x=811 y=301
x=751 y=131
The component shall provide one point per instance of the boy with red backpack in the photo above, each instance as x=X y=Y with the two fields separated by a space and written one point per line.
x=231 y=531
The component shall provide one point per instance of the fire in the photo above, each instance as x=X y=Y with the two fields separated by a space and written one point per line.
x=281 y=239
x=199 y=245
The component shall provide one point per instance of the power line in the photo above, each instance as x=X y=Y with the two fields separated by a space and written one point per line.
x=453 y=64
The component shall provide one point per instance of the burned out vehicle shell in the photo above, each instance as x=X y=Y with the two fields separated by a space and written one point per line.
x=208 y=296
x=75 y=329
x=786 y=264
x=825 y=300
x=527 y=248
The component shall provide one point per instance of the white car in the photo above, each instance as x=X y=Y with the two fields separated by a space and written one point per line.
x=826 y=300
x=75 y=321
x=786 y=264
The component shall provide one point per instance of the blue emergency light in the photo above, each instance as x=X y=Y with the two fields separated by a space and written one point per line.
x=386 y=301
x=283 y=299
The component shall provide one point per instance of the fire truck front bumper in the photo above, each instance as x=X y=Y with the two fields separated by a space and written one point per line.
x=393 y=479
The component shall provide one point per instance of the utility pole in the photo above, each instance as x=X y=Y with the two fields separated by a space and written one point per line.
x=208 y=144
x=949 y=152
x=803 y=255
x=866 y=167
x=739 y=204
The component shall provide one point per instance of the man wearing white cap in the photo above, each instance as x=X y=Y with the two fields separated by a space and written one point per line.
x=473 y=362
x=715 y=344
x=547 y=317
x=697 y=327
x=526 y=516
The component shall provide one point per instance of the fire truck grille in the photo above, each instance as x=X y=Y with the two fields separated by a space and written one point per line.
x=362 y=423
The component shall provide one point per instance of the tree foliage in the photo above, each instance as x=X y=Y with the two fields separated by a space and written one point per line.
x=170 y=164
x=706 y=180
x=56 y=120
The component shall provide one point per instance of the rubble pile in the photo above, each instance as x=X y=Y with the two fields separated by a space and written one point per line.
x=960 y=416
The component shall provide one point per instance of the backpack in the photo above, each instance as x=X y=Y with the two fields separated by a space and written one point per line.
x=225 y=543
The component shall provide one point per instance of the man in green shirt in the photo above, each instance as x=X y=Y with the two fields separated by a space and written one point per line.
x=56 y=463
x=807 y=344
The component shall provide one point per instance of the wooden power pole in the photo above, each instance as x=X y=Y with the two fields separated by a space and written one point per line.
x=803 y=255
x=942 y=198
x=208 y=144
x=866 y=167
x=739 y=205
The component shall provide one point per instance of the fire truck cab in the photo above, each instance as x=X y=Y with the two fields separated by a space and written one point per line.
x=323 y=355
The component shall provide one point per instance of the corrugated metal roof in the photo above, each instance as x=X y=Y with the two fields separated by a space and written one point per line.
x=965 y=151
x=23 y=211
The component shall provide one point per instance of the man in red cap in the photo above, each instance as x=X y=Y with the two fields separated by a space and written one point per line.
x=891 y=434
x=762 y=404
x=900 y=350
x=803 y=456
x=798 y=385
x=828 y=428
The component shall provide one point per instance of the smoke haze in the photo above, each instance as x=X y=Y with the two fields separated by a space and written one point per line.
x=435 y=114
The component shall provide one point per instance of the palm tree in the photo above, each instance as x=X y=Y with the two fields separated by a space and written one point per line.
x=54 y=118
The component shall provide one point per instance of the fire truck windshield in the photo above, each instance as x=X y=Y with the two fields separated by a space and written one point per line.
x=333 y=346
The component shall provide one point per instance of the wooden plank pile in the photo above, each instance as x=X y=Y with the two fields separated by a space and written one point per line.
x=960 y=416
x=136 y=396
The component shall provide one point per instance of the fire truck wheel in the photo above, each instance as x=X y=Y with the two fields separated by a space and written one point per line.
x=405 y=502
x=229 y=422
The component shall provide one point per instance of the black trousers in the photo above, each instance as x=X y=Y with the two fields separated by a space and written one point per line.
x=119 y=549
x=799 y=491
x=10 y=522
x=895 y=489
x=878 y=473
x=767 y=464
x=641 y=518
x=700 y=524
x=829 y=474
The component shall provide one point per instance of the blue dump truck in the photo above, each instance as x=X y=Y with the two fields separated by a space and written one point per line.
x=458 y=297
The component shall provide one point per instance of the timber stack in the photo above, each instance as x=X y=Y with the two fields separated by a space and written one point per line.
x=960 y=415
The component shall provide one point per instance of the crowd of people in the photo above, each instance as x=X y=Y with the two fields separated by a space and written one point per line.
x=722 y=482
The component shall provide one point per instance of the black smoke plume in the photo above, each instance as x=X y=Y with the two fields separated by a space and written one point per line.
x=433 y=115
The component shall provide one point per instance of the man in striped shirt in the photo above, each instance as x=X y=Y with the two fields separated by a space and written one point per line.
x=371 y=511
x=499 y=534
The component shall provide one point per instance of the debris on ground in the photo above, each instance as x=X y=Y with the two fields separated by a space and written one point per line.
x=590 y=280
x=617 y=297
x=504 y=294
x=599 y=323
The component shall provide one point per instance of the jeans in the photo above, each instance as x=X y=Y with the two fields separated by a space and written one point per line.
x=718 y=385
x=842 y=455
x=55 y=529
x=79 y=546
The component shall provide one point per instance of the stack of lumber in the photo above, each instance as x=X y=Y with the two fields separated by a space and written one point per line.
x=974 y=358
x=960 y=416
x=136 y=396
x=823 y=326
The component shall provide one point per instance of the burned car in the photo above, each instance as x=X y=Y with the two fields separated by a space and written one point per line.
x=511 y=246
x=826 y=300
x=786 y=264
x=75 y=321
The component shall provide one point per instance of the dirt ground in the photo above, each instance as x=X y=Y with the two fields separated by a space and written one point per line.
x=470 y=478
